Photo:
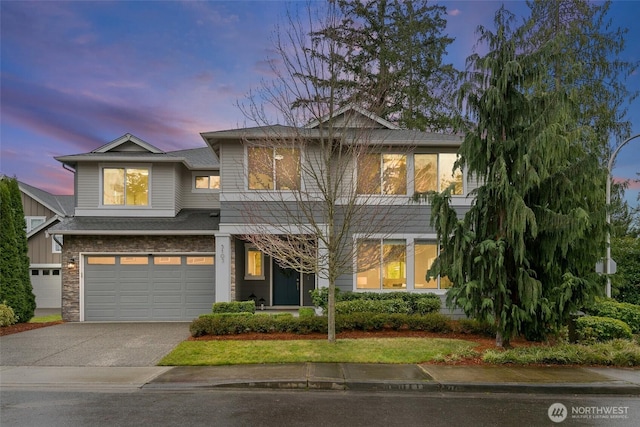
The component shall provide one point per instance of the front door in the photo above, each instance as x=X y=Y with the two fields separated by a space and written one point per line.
x=286 y=286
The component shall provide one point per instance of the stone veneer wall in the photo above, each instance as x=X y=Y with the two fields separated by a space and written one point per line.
x=74 y=245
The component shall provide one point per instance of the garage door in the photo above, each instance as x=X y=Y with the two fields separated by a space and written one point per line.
x=47 y=287
x=149 y=287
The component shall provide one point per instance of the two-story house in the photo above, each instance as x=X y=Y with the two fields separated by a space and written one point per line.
x=42 y=211
x=162 y=235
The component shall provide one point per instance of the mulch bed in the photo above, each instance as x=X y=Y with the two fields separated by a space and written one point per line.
x=21 y=327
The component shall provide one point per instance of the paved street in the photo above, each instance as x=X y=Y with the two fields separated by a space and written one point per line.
x=35 y=408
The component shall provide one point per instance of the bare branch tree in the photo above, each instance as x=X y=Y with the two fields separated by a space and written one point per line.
x=312 y=201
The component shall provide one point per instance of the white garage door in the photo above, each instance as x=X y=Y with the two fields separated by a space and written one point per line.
x=149 y=287
x=47 y=287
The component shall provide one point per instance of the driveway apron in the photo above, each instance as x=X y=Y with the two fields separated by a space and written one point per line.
x=93 y=344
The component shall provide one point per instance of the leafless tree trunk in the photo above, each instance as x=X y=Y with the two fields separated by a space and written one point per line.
x=311 y=199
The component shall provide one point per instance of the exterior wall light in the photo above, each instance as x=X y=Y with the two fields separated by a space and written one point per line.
x=71 y=264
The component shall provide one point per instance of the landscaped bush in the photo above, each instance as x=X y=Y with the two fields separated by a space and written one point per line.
x=590 y=329
x=237 y=323
x=306 y=312
x=612 y=353
x=628 y=313
x=373 y=306
x=418 y=303
x=234 y=307
x=7 y=316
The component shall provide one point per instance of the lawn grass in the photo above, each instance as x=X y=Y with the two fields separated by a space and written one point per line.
x=45 y=319
x=373 y=350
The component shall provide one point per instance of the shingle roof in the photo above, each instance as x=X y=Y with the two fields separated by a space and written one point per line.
x=187 y=222
x=196 y=158
x=61 y=205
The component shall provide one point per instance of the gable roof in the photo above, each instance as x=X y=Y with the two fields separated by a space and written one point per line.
x=129 y=148
x=60 y=205
x=355 y=109
x=127 y=140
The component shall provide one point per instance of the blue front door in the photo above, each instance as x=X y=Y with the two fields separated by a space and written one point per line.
x=286 y=286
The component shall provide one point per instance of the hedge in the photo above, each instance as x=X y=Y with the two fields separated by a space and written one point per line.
x=418 y=303
x=228 y=324
x=234 y=307
x=628 y=313
x=591 y=329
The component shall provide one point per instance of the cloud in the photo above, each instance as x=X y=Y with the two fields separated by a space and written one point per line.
x=453 y=12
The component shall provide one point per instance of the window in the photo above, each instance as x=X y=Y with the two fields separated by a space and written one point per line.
x=382 y=174
x=101 y=260
x=254 y=263
x=34 y=222
x=134 y=260
x=425 y=254
x=206 y=182
x=35 y=272
x=433 y=172
x=381 y=264
x=55 y=246
x=167 y=260
x=273 y=168
x=125 y=186
x=199 y=260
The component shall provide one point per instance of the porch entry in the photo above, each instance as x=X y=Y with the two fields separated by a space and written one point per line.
x=291 y=287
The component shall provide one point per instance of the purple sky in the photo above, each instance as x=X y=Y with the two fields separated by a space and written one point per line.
x=76 y=75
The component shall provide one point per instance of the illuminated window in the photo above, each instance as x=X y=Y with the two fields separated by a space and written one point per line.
x=101 y=260
x=167 y=260
x=273 y=168
x=425 y=255
x=125 y=186
x=382 y=174
x=254 y=263
x=199 y=260
x=207 y=182
x=434 y=172
x=382 y=264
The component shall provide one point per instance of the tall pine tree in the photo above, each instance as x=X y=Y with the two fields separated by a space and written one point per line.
x=523 y=257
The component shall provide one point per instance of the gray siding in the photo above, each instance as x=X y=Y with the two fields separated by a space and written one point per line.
x=179 y=173
x=88 y=185
x=163 y=186
x=232 y=175
x=196 y=199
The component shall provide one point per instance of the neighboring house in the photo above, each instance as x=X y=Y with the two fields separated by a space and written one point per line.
x=158 y=235
x=42 y=210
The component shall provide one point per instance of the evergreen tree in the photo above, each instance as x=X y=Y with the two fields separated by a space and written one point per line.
x=586 y=63
x=11 y=290
x=391 y=61
x=523 y=257
x=23 y=248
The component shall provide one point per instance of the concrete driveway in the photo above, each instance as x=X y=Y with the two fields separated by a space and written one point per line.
x=93 y=344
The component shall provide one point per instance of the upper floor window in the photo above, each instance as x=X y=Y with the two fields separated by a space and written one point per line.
x=273 y=168
x=125 y=186
x=34 y=222
x=434 y=172
x=382 y=174
x=206 y=182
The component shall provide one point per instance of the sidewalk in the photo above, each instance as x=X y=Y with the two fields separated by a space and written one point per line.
x=333 y=376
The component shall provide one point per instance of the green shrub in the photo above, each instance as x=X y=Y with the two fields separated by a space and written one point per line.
x=373 y=306
x=431 y=322
x=473 y=326
x=418 y=302
x=628 y=313
x=427 y=305
x=7 y=316
x=234 y=307
x=590 y=329
x=306 y=312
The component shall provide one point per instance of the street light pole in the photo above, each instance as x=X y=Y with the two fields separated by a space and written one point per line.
x=609 y=170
